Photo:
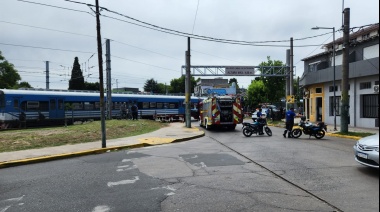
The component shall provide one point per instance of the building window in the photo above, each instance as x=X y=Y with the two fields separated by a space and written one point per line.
x=318 y=90
x=376 y=82
x=313 y=66
x=337 y=105
x=365 y=85
x=331 y=88
x=370 y=106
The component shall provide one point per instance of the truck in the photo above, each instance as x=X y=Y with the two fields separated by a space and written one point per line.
x=221 y=112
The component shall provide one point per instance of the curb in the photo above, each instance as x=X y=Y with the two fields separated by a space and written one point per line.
x=14 y=163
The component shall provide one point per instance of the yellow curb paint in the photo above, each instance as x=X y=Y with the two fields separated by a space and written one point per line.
x=156 y=140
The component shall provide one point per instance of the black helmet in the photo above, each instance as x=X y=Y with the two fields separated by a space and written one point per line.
x=303 y=118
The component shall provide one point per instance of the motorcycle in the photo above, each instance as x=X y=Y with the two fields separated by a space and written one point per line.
x=251 y=128
x=318 y=131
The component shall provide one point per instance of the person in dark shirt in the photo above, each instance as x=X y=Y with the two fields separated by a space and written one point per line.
x=135 y=111
x=289 y=116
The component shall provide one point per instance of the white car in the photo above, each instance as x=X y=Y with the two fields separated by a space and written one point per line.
x=367 y=151
x=264 y=111
x=264 y=114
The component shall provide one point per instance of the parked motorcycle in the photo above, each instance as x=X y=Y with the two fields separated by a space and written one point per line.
x=318 y=131
x=254 y=128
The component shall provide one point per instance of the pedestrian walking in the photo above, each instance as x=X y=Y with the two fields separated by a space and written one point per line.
x=289 y=118
x=135 y=111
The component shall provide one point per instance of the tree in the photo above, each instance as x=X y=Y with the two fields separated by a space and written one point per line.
x=22 y=85
x=178 y=85
x=256 y=93
x=92 y=86
x=274 y=86
x=162 y=88
x=235 y=81
x=77 y=81
x=8 y=74
x=151 y=86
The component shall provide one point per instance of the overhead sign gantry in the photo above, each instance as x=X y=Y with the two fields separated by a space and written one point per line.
x=273 y=71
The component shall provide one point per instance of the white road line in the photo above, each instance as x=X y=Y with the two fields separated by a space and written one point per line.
x=123 y=182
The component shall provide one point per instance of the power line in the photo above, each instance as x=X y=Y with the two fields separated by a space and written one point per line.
x=36 y=27
x=143 y=63
x=195 y=18
x=48 y=5
x=37 y=47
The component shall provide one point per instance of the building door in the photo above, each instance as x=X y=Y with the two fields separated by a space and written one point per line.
x=319 y=108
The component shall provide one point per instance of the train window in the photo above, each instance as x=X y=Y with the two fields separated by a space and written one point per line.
x=152 y=105
x=97 y=105
x=117 y=105
x=61 y=106
x=52 y=104
x=89 y=106
x=44 y=106
x=15 y=103
x=172 y=106
x=77 y=106
x=2 y=100
x=145 y=105
x=32 y=105
x=160 y=105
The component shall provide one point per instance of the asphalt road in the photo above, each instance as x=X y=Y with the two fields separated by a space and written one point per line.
x=222 y=171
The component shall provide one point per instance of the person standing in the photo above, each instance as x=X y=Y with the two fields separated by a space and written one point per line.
x=289 y=117
x=135 y=111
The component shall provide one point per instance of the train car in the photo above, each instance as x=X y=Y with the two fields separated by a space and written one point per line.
x=46 y=107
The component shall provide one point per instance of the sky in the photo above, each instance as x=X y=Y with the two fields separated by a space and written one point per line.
x=35 y=31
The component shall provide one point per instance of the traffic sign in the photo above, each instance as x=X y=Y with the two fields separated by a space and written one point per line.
x=290 y=98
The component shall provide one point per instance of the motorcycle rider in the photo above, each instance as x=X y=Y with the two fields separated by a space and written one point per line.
x=289 y=116
x=260 y=120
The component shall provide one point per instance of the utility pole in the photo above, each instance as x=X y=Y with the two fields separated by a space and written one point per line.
x=291 y=87
x=344 y=115
x=47 y=74
x=100 y=62
x=287 y=89
x=188 y=86
x=109 y=85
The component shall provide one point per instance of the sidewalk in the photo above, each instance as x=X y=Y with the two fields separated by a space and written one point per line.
x=175 y=132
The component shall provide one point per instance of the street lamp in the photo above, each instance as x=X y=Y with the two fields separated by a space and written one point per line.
x=333 y=49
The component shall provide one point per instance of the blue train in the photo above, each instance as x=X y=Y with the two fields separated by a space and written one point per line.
x=47 y=107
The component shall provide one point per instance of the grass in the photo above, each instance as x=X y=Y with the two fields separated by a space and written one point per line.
x=79 y=133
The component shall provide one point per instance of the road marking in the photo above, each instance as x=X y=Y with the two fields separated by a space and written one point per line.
x=4 y=209
x=123 y=182
x=101 y=208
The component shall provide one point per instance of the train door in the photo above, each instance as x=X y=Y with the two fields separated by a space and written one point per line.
x=56 y=108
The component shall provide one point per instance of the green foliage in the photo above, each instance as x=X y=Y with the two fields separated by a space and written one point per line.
x=163 y=88
x=235 y=81
x=22 y=85
x=271 y=89
x=8 y=74
x=151 y=86
x=256 y=93
x=77 y=81
x=92 y=86
x=178 y=85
